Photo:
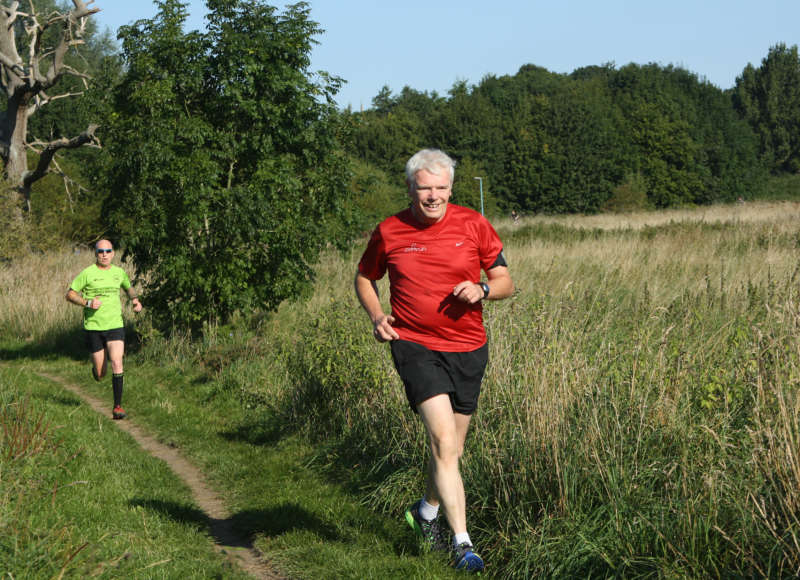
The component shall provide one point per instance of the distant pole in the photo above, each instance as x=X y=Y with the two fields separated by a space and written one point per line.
x=480 y=183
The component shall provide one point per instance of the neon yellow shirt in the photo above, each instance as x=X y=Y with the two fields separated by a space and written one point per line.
x=94 y=282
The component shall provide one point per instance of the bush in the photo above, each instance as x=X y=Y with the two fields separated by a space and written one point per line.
x=631 y=195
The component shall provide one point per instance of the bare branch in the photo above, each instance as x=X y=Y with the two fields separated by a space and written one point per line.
x=73 y=26
x=67 y=182
x=87 y=138
x=5 y=60
x=76 y=73
x=11 y=13
x=10 y=61
x=35 y=32
x=43 y=99
x=50 y=149
x=82 y=9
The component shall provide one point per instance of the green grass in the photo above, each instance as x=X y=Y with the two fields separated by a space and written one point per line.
x=639 y=416
x=79 y=498
x=308 y=522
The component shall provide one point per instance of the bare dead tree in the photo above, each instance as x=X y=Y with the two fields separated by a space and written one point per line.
x=27 y=83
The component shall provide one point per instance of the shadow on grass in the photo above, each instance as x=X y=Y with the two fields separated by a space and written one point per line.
x=58 y=343
x=264 y=430
x=53 y=345
x=341 y=463
x=63 y=400
x=355 y=464
x=279 y=520
x=178 y=512
x=240 y=529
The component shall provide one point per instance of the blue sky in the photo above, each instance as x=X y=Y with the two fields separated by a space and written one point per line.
x=430 y=44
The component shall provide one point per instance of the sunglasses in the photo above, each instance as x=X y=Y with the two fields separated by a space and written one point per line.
x=103 y=251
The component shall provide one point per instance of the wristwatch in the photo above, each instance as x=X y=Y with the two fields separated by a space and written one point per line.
x=485 y=287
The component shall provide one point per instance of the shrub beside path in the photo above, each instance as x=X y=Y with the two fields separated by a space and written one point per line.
x=238 y=550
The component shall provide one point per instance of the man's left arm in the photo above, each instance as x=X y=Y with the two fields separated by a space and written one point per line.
x=137 y=306
x=499 y=283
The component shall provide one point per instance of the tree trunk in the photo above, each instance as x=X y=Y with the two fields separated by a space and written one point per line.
x=15 y=129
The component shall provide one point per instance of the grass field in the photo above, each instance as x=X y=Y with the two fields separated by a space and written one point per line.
x=639 y=416
x=78 y=499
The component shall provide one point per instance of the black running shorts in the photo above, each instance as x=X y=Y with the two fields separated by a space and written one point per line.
x=96 y=339
x=426 y=373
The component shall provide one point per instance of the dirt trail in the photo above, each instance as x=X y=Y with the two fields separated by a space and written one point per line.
x=238 y=550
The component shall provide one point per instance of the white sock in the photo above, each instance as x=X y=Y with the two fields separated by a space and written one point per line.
x=459 y=539
x=428 y=511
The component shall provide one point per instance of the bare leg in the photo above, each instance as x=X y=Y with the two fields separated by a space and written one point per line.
x=462 y=426
x=116 y=350
x=447 y=432
x=99 y=359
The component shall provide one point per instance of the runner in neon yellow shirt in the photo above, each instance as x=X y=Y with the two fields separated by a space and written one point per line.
x=96 y=289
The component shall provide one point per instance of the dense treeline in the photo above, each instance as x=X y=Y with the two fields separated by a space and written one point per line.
x=601 y=137
x=768 y=97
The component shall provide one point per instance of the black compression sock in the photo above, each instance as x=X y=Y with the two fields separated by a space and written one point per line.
x=116 y=384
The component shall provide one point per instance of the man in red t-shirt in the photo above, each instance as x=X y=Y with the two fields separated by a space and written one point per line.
x=434 y=253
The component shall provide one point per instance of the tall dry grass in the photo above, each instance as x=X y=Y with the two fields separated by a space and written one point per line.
x=33 y=290
x=750 y=212
x=639 y=416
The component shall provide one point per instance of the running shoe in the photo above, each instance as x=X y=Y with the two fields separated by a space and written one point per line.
x=429 y=530
x=118 y=413
x=466 y=559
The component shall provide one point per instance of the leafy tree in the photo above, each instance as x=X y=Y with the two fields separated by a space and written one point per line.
x=224 y=159
x=466 y=125
x=587 y=148
x=666 y=156
x=526 y=156
x=383 y=102
x=387 y=141
x=374 y=195
x=689 y=146
x=768 y=97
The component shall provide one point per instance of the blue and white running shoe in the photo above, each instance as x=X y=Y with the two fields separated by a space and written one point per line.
x=466 y=559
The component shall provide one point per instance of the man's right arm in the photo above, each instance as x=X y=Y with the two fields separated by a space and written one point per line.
x=367 y=292
x=76 y=298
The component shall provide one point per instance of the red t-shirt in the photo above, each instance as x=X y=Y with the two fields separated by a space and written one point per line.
x=425 y=263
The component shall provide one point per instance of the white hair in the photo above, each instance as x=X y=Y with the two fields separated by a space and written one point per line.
x=431 y=160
